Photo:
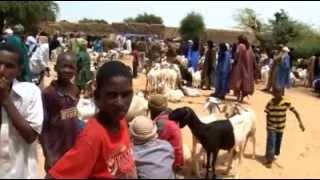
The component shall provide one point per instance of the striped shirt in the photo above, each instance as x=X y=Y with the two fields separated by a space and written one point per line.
x=276 y=114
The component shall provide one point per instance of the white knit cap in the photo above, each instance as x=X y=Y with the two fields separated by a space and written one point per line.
x=143 y=129
x=286 y=49
x=8 y=31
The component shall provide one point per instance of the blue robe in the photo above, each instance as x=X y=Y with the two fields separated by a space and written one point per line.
x=223 y=74
x=283 y=73
x=98 y=46
x=193 y=57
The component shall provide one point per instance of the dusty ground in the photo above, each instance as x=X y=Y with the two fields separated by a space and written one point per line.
x=300 y=153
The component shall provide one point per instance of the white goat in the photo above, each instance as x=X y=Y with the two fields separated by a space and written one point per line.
x=138 y=107
x=243 y=123
x=162 y=77
x=196 y=78
x=174 y=95
x=86 y=108
x=265 y=73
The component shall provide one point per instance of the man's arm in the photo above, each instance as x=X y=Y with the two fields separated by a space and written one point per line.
x=21 y=124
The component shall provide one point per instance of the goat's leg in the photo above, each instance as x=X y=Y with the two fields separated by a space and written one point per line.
x=214 y=159
x=197 y=163
x=147 y=84
x=194 y=146
x=246 y=142
x=253 y=136
x=208 y=164
x=232 y=154
x=240 y=156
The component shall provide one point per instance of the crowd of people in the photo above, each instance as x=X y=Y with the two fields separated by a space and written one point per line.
x=107 y=146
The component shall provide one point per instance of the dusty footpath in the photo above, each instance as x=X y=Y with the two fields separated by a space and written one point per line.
x=300 y=154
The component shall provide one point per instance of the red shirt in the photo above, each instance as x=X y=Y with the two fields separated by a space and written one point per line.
x=98 y=154
x=169 y=130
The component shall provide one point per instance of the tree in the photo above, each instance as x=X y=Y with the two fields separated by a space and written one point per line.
x=145 y=18
x=99 y=21
x=283 y=27
x=129 y=20
x=27 y=13
x=248 y=20
x=192 y=26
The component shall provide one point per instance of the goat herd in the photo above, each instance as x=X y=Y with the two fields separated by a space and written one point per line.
x=228 y=126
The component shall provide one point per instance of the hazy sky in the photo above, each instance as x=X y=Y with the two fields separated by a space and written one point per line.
x=217 y=14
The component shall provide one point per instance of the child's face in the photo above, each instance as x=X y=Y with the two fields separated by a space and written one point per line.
x=66 y=68
x=114 y=97
x=277 y=94
x=9 y=65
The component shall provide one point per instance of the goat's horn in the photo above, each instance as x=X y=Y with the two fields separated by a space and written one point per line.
x=218 y=108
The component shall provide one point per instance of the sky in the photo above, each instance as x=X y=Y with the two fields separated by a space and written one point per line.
x=217 y=14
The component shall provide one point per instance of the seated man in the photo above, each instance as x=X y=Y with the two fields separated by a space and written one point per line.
x=154 y=157
x=168 y=130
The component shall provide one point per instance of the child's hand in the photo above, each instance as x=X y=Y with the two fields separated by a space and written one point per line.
x=4 y=89
x=302 y=127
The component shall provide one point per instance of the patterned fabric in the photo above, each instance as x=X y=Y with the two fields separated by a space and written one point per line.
x=276 y=114
x=61 y=124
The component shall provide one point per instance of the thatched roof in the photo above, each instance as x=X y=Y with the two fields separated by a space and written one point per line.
x=139 y=28
x=88 y=28
x=216 y=35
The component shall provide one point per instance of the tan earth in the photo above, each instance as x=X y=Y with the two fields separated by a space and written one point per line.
x=300 y=151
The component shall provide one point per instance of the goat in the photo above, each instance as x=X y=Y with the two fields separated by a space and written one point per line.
x=162 y=77
x=243 y=123
x=196 y=78
x=243 y=127
x=138 y=107
x=265 y=73
x=213 y=136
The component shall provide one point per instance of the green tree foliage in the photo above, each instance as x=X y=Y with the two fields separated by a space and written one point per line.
x=145 y=18
x=99 y=21
x=27 y=13
x=282 y=29
x=248 y=20
x=192 y=26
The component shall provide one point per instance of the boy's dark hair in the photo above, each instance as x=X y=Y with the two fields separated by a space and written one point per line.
x=62 y=55
x=43 y=33
x=210 y=44
x=112 y=69
x=12 y=49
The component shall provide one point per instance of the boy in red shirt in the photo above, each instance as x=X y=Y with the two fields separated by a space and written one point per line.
x=103 y=149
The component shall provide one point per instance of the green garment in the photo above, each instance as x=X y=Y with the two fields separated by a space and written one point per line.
x=16 y=41
x=73 y=44
x=84 y=73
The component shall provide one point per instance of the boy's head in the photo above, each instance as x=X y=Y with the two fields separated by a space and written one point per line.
x=66 y=66
x=277 y=93
x=143 y=130
x=114 y=91
x=10 y=64
x=157 y=104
